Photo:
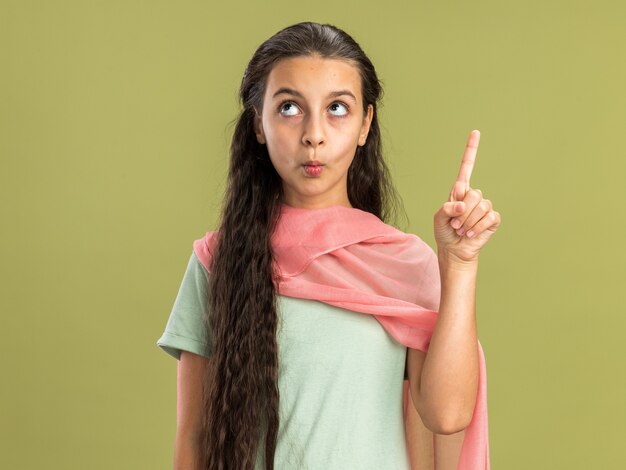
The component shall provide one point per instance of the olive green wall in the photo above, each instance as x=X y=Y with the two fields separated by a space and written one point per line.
x=115 y=120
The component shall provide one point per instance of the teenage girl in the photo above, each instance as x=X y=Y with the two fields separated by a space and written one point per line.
x=272 y=381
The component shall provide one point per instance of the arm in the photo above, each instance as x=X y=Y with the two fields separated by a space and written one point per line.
x=191 y=370
x=444 y=381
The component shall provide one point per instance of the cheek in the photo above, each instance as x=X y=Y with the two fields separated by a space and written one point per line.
x=280 y=137
x=275 y=142
x=345 y=144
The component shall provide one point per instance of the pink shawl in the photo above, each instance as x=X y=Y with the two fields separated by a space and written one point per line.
x=351 y=259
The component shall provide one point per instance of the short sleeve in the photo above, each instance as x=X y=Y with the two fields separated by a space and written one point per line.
x=186 y=329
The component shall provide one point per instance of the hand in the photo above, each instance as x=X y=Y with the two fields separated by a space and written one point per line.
x=465 y=223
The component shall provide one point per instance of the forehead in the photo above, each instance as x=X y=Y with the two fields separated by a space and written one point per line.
x=314 y=75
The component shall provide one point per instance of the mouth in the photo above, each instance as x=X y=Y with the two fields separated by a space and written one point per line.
x=313 y=168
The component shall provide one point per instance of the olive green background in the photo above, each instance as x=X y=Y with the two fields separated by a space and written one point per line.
x=115 y=119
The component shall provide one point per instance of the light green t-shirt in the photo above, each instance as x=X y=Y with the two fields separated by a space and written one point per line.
x=340 y=380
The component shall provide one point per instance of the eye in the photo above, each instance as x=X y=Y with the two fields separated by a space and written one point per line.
x=284 y=104
x=340 y=104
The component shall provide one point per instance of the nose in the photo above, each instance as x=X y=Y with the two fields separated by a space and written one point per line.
x=314 y=134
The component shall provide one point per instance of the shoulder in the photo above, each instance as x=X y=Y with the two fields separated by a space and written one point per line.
x=203 y=249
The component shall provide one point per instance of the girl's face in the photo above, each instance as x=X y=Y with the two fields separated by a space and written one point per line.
x=313 y=114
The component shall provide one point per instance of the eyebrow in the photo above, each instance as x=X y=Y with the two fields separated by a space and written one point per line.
x=332 y=94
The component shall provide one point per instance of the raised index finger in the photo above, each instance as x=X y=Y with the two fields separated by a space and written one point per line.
x=469 y=156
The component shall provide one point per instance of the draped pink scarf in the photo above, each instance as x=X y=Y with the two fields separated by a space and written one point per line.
x=349 y=258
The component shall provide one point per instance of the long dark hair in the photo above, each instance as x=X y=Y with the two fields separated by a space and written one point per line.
x=241 y=390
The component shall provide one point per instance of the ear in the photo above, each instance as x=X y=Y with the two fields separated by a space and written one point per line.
x=365 y=127
x=258 y=127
